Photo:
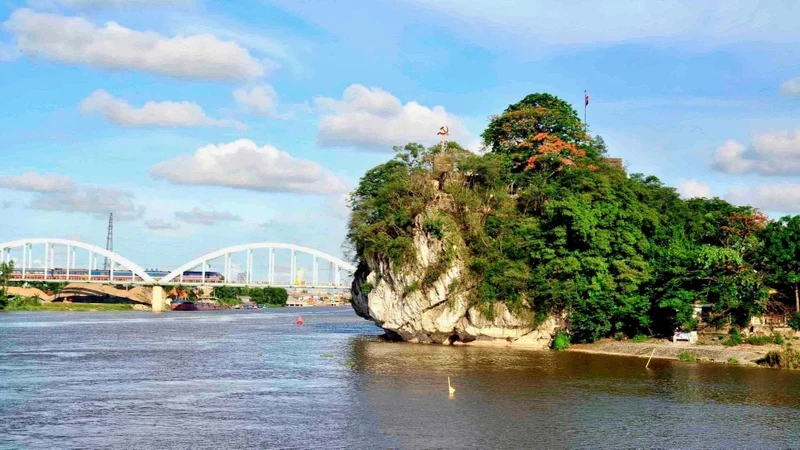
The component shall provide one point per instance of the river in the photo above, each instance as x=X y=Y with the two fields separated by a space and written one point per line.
x=255 y=379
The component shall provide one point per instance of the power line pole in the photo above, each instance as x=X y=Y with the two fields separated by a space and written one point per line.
x=109 y=241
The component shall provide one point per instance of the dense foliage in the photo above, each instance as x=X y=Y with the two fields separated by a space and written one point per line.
x=261 y=296
x=544 y=223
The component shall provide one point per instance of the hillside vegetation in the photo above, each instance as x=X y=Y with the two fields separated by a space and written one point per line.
x=545 y=225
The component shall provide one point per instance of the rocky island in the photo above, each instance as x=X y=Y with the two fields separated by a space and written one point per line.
x=544 y=235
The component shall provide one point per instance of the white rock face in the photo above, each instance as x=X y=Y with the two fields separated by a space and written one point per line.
x=435 y=315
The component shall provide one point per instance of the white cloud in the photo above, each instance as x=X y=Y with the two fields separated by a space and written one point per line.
x=373 y=119
x=243 y=164
x=692 y=188
x=8 y=52
x=337 y=205
x=784 y=198
x=259 y=99
x=60 y=193
x=88 y=4
x=75 y=40
x=160 y=224
x=770 y=154
x=96 y=201
x=162 y=114
x=36 y=182
x=548 y=25
x=791 y=88
x=199 y=217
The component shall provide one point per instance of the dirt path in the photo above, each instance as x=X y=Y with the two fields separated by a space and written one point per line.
x=664 y=349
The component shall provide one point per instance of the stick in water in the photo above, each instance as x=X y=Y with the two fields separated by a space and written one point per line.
x=651 y=357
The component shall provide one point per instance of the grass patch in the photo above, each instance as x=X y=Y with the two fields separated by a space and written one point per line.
x=687 y=357
x=786 y=358
x=561 y=341
x=760 y=340
x=62 y=306
x=764 y=340
x=733 y=361
x=734 y=338
x=640 y=338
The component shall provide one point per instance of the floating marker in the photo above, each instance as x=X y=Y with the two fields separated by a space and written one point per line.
x=450 y=388
x=299 y=320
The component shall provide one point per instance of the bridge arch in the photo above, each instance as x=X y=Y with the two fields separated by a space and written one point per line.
x=338 y=262
x=26 y=245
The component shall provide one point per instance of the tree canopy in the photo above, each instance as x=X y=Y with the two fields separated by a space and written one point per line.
x=543 y=222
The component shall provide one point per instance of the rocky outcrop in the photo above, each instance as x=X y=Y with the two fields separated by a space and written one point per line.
x=409 y=309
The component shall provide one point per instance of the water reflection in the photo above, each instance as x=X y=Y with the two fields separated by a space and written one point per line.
x=254 y=379
x=509 y=397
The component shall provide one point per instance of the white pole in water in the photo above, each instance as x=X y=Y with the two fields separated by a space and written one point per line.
x=651 y=357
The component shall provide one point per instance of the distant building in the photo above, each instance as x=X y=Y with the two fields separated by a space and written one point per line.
x=241 y=277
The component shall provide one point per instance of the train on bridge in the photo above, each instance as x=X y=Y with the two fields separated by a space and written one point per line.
x=60 y=274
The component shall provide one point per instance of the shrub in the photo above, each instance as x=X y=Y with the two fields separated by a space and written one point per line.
x=409 y=288
x=733 y=361
x=366 y=287
x=560 y=341
x=794 y=321
x=779 y=339
x=760 y=340
x=787 y=358
x=619 y=335
x=639 y=338
x=735 y=338
x=434 y=227
x=687 y=357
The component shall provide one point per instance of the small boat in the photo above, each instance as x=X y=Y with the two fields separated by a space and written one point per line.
x=206 y=306
x=183 y=306
x=299 y=320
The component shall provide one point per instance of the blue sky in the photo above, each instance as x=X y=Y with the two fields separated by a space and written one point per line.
x=206 y=124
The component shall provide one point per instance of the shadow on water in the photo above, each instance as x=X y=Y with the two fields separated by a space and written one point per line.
x=569 y=399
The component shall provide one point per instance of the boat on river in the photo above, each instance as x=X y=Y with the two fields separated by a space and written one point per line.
x=188 y=305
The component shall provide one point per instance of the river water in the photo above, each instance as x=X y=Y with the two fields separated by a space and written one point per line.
x=255 y=379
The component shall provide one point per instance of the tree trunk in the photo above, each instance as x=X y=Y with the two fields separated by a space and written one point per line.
x=796 y=299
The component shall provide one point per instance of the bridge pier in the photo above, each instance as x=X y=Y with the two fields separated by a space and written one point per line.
x=158 y=302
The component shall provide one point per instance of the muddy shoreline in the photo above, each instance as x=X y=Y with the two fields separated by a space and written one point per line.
x=664 y=349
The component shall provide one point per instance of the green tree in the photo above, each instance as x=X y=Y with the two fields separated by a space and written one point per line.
x=543 y=224
x=781 y=253
x=6 y=268
x=275 y=296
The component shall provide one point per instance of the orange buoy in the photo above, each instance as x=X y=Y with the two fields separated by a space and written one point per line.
x=299 y=320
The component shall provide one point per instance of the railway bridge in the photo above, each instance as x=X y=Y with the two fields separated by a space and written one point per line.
x=259 y=264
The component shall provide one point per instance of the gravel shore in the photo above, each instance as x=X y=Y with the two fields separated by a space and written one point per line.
x=664 y=349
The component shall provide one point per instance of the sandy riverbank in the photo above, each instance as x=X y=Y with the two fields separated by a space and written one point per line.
x=664 y=349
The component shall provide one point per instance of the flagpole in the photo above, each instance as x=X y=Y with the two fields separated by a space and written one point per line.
x=584 y=110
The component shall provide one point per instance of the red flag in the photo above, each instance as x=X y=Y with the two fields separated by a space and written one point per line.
x=586 y=98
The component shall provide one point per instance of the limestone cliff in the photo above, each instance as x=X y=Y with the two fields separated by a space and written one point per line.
x=411 y=308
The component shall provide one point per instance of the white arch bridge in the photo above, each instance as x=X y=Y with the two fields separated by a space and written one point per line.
x=59 y=260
